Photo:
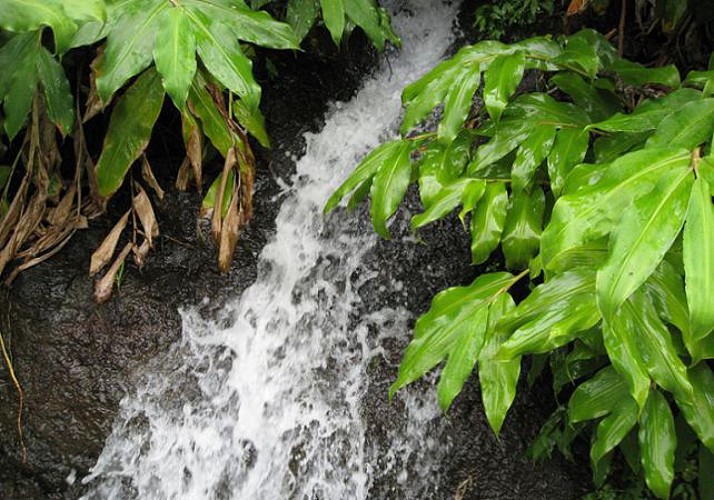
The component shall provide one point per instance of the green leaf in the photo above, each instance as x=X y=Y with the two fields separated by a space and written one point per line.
x=209 y=201
x=658 y=441
x=301 y=15
x=531 y=153
x=598 y=396
x=129 y=131
x=637 y=75
x=551 y=315
x=472 y=194
x=449 y=318
x=609 y=148
x=56 y=91
x=364 y=13
x=175 y=54
x=366 y=169
x=521 y=233
x=579 y=55
x=612 y=429
x=333 y=13
x=698 y=408
x=20 y=53
x=449 y=198
x=458 y=103
x=699 y=259
x=487 y=221
x=253 y=121
x=654 y=342
x=665 y=288
x=642 y=237
x=129 y=45
x=571 y=145
x=687 y=127
x=498 y=379
x=509 y=134
x=204 y=108
x=592 y=212
x=624 y=353
x=597 y=103
x=501 y=80
x=223 y=57
x=422 y=96
x=389 y=186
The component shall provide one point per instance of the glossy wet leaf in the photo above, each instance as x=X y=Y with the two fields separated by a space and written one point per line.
x=487 y=221
x=458 y=103
x=252 y=120
x=521 y=232
x=448 y=199
x=531 y=153
x=389 y=185
x=20 y=86
x=175 y=55
x=213 y=124
x=580 y=55
x=333 y=13
x=597 y=103
x=56 y=91
x=687 y=127
x=301 y=15
x=501 y=80
x=449 y=319
x=658 y=441
x=425 y=94
x=613 y=428
x=593 y=212
x=623 y=350
x=551 y=315
x=698 y=408
x=637 y=75
x=498 y=379
x=366 y=15
x=644 y=233
x=569 y=149
x=597 y=396
x=699 y=260
x=665 y=288
x=365 y=170
x=129 y=131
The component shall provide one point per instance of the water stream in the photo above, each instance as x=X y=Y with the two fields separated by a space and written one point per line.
x=268 y=401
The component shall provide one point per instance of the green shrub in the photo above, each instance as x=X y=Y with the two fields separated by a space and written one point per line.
x=605 y=206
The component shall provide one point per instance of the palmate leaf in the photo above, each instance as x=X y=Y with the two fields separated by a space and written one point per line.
x=658 y=441
x=593 y=211
x=699 y=260
x=450 y=319
x=129 y=131
x=642 y=237
x=551 y=316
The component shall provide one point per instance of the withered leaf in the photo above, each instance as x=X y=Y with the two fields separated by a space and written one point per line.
x=140 y=253
x=148 y=176
x=184 y=175
x=105 y=252
x=143 y=208
x=103 y=287
x=216 y=221
x=229 y=234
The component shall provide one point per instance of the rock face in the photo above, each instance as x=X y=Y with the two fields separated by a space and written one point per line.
x=74 y=359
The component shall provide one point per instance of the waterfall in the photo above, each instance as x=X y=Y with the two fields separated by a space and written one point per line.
x=268 y=401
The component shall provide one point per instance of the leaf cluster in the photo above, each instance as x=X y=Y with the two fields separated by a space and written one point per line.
x=599 y=187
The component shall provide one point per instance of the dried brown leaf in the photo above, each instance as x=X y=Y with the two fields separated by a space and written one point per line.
x=576 y=7
x=148 y=176
x=103 y=287
x=105 y=252
x=94 y=104
x=143 y=208
x=216 y=221
x=229 y=234
x=25 y=227
x=140 y=253
x=60 y=214
x=184 y=175
x=193 y=140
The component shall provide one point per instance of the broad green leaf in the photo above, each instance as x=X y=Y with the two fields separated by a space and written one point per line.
x=487 y=221
x=524 y=223
x=654 y=342
x=449 y=318
x=540 y=51
x=637 y=75
x=501 y=79
x=205 y=109
x=658 y=441
x=687 y=127
x=569 y=149
x=462 y=359
x=531 y=153
x=509 y=134
x=427 y=93
x=129 y=131
x=366 y=169
x=175 y=54
x=389 y=186
x=698 y=408
x=591 y=213
x=541 y=109
x=301 y=15
x=598 y=396
x=129 y=46
x=333 y=13
x=364 y=13
x=21 y=52
x=209 y=200
x=581 y=361
x=458 y=103
x=472 y=194
x=665 y=288
x=223 y=57
x=579 y=55
x=551 y=315
x=610 y=148
x=252 y=120
x=597 y=103
x=360 y=194
x=498 y=379
x=699 y=260
x=703 y=80
x=624 y=353
x=56 y=91
x=448 y=199
x=612 y=429
x=642 y=237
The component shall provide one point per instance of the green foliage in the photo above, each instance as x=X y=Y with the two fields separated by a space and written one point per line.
x=495 y=19
x=622 y=307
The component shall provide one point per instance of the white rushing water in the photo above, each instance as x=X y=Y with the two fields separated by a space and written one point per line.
x=268 y=402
